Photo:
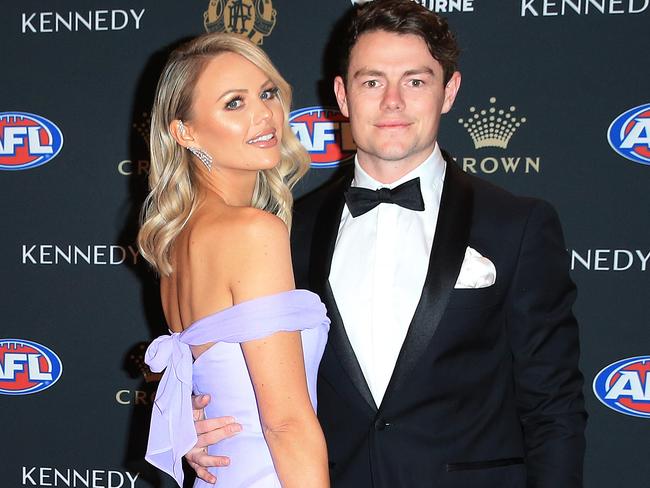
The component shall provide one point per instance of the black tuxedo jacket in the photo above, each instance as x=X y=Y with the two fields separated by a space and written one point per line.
x=486 y=392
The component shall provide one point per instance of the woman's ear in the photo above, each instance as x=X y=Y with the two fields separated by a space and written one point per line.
x=181 y=132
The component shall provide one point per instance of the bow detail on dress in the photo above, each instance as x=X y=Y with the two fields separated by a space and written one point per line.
x=171 y=418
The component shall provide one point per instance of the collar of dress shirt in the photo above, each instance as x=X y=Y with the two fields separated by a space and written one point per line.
x=431 y=172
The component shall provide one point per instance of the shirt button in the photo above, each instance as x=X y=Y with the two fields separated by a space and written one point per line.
x=381 y=424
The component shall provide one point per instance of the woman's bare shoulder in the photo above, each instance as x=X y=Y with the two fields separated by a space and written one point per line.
x=228 y=255
x=234 y=229
x=257 y=257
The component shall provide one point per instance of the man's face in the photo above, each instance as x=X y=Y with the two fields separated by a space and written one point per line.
x=394 y=97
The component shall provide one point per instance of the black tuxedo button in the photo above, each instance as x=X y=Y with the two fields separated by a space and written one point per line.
x=381 y=424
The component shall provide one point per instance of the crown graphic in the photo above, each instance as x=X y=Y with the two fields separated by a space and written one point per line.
x=136 y=359
x=492 y=127
x=143 y=127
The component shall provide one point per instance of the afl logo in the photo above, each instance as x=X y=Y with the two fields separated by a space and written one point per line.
x=625 y=386
x=629 y=134
x=27 y=141
x=27 y=367
x=325 y=133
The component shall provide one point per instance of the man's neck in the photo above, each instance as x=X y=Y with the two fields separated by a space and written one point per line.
x=388 y=172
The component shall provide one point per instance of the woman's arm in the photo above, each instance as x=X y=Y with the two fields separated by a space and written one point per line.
x=276 y=363
x=291 y=428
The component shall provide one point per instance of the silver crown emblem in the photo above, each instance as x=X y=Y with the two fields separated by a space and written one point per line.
x=492 y=127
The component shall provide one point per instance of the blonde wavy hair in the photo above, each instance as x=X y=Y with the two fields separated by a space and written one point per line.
x=173 y=173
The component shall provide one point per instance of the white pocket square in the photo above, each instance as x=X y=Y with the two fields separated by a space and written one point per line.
x=476 y=271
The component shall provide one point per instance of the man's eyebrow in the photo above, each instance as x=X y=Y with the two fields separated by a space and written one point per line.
x=373 y=72
x=419 y=71
x=368 y=72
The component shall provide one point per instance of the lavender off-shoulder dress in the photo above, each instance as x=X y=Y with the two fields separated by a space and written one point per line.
x=221 y=371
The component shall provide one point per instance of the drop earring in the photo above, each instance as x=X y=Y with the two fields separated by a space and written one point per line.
x=202 y=155
x=198 y=152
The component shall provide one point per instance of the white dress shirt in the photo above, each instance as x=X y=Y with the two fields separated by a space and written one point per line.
x=378 y=269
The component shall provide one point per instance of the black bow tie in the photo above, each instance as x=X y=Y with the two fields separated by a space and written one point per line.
x=407 y=195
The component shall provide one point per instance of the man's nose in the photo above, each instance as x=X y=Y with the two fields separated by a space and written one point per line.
x=393 y=99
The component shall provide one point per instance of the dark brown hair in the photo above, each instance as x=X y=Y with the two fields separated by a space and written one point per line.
x=402 y=17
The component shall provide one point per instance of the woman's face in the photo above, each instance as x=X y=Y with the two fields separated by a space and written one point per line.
x=236 y=115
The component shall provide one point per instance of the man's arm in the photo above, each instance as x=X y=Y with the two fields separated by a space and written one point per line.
x=209 y=431
x=543 y=335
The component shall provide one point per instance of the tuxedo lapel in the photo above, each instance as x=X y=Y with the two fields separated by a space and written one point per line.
x=326 y=230
x=447 y=253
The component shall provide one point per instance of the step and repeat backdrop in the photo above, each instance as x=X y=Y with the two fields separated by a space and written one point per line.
x=555 y=103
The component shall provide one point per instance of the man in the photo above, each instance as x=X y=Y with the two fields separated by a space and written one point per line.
x=452 y=359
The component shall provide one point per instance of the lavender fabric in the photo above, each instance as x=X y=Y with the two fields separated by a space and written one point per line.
x=221 y=371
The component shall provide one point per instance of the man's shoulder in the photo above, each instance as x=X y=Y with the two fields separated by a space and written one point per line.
x=485 y=189
x=497 y=203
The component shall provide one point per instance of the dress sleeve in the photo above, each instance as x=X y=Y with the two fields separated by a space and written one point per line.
x=254 y=319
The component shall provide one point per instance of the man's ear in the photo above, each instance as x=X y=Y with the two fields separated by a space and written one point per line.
x=181 y=132
x=341 y=95
x=451 y=90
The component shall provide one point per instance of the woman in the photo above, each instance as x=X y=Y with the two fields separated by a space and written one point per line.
x=215 y=227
